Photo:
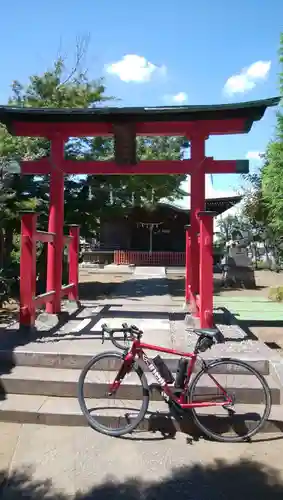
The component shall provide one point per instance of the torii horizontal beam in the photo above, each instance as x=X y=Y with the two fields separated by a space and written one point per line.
x=156 y=167
x=87 y=129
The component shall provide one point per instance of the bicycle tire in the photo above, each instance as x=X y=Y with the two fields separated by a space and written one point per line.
x=266 y=390
x=145 y=401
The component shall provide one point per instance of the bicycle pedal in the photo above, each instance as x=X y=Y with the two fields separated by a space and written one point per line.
x=229 y=409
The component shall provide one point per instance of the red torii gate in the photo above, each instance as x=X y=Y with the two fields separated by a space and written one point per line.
x=196 y=123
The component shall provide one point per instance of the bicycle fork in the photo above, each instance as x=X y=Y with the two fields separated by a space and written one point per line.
x=124 y=369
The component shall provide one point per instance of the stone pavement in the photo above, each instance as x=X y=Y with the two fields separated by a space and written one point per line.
x=145 y=285
x=142 y=300
x=60 y=463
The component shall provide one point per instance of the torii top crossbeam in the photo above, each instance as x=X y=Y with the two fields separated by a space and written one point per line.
x=124 y=124
x=220 y=119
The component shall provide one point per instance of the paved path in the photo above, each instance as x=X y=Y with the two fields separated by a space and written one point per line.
x=150 y=272
x=142 y=300
x=41 y=462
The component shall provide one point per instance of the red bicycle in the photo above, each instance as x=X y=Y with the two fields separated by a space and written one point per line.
x=203 y=393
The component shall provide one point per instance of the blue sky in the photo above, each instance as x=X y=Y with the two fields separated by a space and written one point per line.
x=184 y=48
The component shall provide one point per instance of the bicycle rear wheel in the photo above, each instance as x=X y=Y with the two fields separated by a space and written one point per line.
x=120 y=413
x=251 y=400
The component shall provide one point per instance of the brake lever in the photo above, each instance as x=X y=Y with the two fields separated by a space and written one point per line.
x=134 y=328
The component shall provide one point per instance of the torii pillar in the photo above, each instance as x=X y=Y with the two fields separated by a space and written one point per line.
x=197 y=205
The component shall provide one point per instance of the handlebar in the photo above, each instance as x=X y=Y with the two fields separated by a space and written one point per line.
x=133 y=330
x=125 y=329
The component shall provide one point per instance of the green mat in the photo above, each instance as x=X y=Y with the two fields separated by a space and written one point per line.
x=247 y=308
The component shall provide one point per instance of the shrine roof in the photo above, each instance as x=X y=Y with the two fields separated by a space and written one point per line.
x=249 y=111
x=219 y=204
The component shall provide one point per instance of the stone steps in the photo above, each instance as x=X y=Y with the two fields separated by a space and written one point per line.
x=66 y=412
x=48 y=394
x=39 y=374
x=70 y=360
x=63 y=383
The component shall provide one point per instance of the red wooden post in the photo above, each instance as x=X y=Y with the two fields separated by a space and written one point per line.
x=206 y=268
x=188 y=264
x=28 y=270
x=197 y=204
x=56 y=223
x=74 y=247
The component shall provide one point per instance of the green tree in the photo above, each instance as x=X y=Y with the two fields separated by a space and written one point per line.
x=123 y=191
x=257 y=214
x=86 y=197
x=272 y=174
x=54 y=88
x=227 y=226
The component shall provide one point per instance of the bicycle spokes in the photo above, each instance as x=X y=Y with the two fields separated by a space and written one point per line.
x=244 y=398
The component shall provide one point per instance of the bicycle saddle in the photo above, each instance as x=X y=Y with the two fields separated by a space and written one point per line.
x=210 y=333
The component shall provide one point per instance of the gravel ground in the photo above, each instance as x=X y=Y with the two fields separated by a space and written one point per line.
x=264 y=280
x=97 y=285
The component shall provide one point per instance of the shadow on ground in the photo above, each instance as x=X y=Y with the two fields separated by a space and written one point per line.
x=12 y=337
x=134 y=289
x=97 y=289
x=244 y=479
x=176 y=286
x=91 y=290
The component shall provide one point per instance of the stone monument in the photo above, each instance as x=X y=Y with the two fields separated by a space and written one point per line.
x=237 y=267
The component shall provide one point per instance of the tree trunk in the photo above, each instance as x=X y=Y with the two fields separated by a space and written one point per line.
x=8 y=244
x=2 y=247
x=254 y=254
x=267 y=258
x=276 y=258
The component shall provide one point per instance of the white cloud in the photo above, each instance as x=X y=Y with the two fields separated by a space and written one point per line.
x=180 y=98
x=238 y=84
x=248 y=78
x=258 y=70
x=255 y=155
x=134 y=68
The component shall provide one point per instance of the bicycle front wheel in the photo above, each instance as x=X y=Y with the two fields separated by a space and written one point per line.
x=235 y=379
x=117 y=414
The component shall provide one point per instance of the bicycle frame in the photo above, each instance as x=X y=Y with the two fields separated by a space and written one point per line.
x=137 y=350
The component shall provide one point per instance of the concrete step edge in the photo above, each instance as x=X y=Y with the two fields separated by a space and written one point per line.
x=66 y=412
x=50 y=374
x=78 y=361
x=64 y=383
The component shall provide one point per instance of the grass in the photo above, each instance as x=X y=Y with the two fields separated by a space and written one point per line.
x=276 y=294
